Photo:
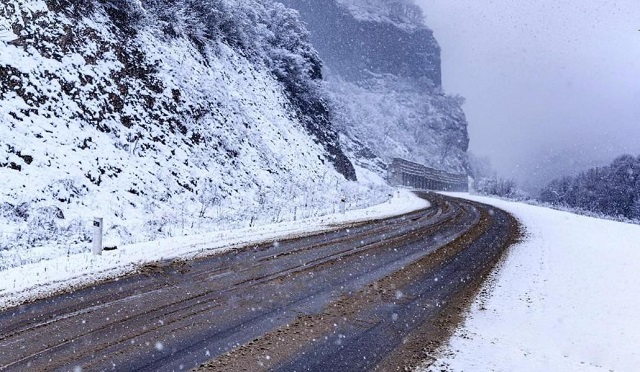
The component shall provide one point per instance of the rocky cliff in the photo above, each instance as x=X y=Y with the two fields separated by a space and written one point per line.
x=355 y=44
x=383 y=65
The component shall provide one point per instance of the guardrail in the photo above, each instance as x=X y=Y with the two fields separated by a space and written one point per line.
x=405 y=173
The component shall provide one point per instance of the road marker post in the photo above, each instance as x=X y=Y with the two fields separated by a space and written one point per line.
x=343 y=204
x=97 y=236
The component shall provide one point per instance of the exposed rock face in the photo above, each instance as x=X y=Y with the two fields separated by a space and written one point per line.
x=384 y=70
x=355 y=48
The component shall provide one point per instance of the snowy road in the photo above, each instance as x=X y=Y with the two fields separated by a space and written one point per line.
x=369 y=294
x=564 y=299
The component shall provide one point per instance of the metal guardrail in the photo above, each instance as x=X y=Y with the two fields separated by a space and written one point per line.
x=405 y=173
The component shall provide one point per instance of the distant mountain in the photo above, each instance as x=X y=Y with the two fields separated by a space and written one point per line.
x=384 y=72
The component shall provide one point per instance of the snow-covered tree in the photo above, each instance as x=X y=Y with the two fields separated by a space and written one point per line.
x=613 y=190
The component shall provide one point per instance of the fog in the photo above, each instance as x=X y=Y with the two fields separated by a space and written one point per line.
x=551 y=87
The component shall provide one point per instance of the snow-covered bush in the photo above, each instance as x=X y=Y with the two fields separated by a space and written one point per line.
x=505 y=188
x=12 y=213
x=42 y=224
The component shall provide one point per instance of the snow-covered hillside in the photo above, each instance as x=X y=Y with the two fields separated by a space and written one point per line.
x=565 y=299
x=393 y=119
x=165 y=118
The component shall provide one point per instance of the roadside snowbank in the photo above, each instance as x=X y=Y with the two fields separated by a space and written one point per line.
x=565 y=299
x=40 y=279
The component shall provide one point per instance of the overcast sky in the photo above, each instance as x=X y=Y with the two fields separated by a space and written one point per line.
x=550 y=84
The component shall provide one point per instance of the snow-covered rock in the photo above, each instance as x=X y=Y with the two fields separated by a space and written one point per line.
x=384 y=71
x=401 y=13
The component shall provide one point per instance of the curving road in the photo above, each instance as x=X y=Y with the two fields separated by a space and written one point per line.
x=374 y=295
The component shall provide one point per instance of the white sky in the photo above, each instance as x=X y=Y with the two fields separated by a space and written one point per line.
x=543 y=77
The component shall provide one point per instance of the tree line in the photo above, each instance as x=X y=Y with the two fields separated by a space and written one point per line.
x=613 y=190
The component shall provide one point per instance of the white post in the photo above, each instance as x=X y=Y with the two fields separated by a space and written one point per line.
x=343 y=204
x=97 y=236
